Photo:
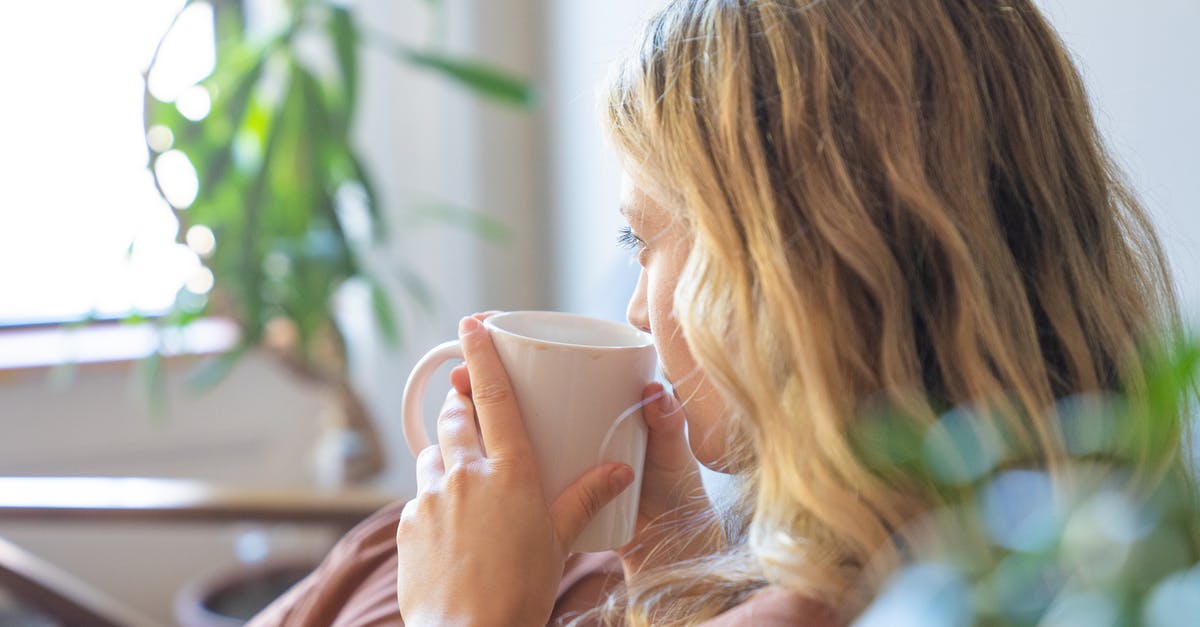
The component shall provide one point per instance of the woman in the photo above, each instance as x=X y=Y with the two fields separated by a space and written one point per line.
x=835 y=205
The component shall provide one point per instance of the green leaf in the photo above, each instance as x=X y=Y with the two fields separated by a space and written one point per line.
x=485 y=226
x=134 y=318
x=62 y=375
x=385 y=314
x=212 y=371
x=379 y=225
x=229 y=114
x=345 y=44
x=151 y=371
x=487 y=80
x=249 y=278
x=417 y=289
x=90 y=317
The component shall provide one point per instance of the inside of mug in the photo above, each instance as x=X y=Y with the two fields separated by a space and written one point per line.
x=564 y=328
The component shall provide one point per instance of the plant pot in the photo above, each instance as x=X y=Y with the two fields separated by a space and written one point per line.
x=231 y=597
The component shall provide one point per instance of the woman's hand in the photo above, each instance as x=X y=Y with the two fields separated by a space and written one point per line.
x=673 y=501
x=675 y=519
x=481 y=544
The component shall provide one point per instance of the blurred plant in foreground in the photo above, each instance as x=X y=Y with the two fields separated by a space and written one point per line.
x=1107 y=536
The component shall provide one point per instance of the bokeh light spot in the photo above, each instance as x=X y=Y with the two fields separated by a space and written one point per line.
x=1021 y=587
x=194 y=103
x=1087 y=608
x=1020 y=512
x=177 y=178
x=1088 y=422
x=277 y=265
x=201 y=281
x=960 y=448
x=923 y=595
x=159 y=138
x=201 y=239
x=1176 y=601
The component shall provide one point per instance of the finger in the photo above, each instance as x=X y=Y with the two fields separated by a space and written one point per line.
x=429 y=467
x=407 y=513
x=666 y=442
x=457 y=432
x=500 y=425
x=461 y=379
x=582 y=500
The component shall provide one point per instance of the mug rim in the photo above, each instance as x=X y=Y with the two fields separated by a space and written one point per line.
x=647 y=339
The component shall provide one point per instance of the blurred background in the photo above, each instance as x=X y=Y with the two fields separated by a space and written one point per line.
x=219 y=271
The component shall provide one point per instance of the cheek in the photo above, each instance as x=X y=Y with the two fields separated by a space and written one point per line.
x=701 y=401
x=668 y=339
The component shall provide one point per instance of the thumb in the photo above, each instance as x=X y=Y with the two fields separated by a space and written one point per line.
x=582 y=500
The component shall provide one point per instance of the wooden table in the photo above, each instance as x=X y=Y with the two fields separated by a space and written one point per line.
x=119 y=499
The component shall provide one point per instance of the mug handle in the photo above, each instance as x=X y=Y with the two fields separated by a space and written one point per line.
x=612 y=430
x=413 y=403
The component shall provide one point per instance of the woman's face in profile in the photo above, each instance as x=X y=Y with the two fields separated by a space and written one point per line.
x=661 y=244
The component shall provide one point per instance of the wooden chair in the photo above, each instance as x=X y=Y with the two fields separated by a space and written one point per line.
x=61 y=596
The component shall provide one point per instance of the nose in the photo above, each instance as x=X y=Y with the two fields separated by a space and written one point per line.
x=637 y=313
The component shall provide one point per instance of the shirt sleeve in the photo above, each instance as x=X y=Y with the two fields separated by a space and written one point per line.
x=355 y=585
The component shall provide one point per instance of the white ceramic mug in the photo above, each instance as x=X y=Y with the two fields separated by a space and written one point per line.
x=578 y=382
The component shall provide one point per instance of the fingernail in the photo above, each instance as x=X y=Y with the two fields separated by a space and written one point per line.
x=468 y=326
x=621 y=478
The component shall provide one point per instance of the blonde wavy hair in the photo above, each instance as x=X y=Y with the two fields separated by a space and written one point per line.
x=906 y=201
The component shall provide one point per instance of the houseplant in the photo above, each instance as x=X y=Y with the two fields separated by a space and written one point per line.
x=281 y=187
x=1109 y=536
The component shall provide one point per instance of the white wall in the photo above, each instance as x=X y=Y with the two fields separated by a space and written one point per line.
x=592 y=275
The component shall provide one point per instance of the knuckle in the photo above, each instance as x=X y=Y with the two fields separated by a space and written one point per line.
x=492 y=393
x=426 y=502
x=511 y=469
x=458 y=478
x=453 y=414
x=429 y=455
x=408 y=517
x=589 y=502
x=457 y=431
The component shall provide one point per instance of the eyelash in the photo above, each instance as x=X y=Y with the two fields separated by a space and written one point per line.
x=627 y=240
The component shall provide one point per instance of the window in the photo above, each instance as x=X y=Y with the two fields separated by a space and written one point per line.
x=83 y=232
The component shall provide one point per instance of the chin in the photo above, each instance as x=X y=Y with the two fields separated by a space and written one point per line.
x=711 y=451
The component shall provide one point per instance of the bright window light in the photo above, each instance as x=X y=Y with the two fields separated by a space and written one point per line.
x=82 y=229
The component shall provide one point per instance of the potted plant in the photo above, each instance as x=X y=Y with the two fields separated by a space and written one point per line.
x=281 y=187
